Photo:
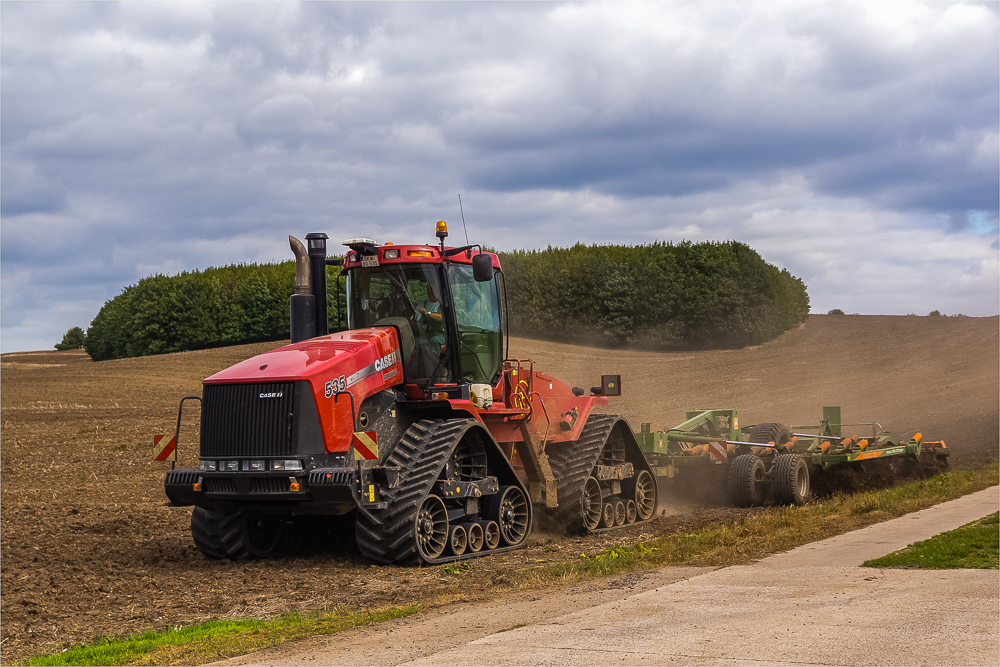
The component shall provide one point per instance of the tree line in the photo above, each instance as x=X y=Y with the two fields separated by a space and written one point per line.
x=657 y=296
x=229 y=305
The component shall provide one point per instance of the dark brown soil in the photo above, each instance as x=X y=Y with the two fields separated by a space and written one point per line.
x=89 y=547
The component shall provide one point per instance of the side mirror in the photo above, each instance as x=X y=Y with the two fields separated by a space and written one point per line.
x=482 y=268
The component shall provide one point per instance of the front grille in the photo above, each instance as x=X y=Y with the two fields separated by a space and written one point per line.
x=269 y=485
x=219 y=485
x=236 y=421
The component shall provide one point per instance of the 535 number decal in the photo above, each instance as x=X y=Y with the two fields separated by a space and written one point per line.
x=335 y=385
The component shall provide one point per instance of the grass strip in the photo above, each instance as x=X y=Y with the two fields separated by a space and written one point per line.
x=215 y=640
x=768 y=531
x=974 y=546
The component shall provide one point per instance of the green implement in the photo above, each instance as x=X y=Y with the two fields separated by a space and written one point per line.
x=711 y=456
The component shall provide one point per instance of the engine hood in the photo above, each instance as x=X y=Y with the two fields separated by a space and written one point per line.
x=360 y=363
x=343 y=353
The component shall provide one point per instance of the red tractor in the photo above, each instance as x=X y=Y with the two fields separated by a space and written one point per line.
x=414 y=426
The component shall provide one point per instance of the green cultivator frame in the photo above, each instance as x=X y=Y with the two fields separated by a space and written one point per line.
x=771 y=462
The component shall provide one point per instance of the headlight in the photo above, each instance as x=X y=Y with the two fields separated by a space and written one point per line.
x=287 y=464
x=208 y=466
x=257 y=465
x=229 y=466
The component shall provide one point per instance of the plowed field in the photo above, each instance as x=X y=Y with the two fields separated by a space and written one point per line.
x=89 y=547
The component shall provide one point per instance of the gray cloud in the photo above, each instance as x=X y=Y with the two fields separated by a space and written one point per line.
x=157 y=137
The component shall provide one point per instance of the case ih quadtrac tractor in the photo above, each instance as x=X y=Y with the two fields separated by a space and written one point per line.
x=413 y=422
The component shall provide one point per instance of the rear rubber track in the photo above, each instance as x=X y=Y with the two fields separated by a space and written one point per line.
x=572 y=463
x=387 y=536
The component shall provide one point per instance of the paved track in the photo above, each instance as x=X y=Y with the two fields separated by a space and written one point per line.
x=809 y=606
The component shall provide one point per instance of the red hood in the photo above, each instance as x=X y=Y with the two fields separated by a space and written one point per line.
x=361 y=362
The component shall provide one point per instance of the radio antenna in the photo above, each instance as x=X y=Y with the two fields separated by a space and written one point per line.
x=463 y=220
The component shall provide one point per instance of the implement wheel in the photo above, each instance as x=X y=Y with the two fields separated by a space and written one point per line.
x=790 y=480
x=746 y=480
x=779 y=434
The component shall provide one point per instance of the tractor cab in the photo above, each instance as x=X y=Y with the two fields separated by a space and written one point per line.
x=445 y=304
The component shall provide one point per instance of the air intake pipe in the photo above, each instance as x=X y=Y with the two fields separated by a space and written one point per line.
x=302 y=304
x=317 y=278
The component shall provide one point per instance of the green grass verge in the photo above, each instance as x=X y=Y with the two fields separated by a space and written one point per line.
x=755 y=536
x=975 y=546
x=215 y=640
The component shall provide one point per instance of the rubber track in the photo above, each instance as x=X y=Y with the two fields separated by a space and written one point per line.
x=220 y=535
x=571 y=464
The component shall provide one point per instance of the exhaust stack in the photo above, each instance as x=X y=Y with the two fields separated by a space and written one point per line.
x=302 y=304
x=317 y=279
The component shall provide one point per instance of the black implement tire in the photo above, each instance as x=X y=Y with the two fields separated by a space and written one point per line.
x=779 y=434
x=790 y=480
x=746 y=480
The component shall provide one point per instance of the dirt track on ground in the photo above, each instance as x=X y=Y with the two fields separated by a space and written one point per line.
x=89 y=548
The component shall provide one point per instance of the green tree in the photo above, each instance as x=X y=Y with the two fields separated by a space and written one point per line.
x=74 y=339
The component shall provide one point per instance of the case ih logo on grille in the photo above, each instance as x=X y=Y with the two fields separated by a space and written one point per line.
x=365 y=445
x=272 y=394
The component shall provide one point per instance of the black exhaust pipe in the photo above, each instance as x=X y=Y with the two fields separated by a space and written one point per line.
x=317 y=279
x=302 y=304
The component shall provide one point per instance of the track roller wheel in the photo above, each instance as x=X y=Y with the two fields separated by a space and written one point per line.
x=746 y=480
x=458 y=541
x=790 y=480
x=592 y=503
x=476 y=537
x=630 y=512
x=642 y=490
x=619 y=513
x=491 y=534
x=608 y=515
x=509 y=508
x=431 y=527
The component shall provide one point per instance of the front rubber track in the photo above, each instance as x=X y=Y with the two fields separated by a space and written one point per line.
x=387 y=536
x=573 y=462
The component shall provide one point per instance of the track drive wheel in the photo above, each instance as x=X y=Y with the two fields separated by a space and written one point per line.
x=790 y=480
x=746 y=480
x=608 y=515
x=642 y=489
x=509 y=508
x=431 y=527
x=592 y=503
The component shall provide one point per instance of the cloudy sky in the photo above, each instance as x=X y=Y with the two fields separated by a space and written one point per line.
x=853 y=143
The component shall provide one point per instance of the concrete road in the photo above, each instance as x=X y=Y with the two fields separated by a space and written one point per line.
x=809 y=606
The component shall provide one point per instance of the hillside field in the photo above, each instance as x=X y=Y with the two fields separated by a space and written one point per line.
x=88 y=546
